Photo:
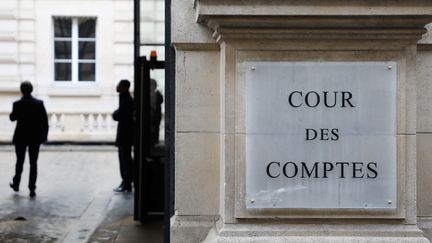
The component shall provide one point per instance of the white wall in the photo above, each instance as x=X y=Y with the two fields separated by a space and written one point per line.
x=26 y=41
x=114 y=54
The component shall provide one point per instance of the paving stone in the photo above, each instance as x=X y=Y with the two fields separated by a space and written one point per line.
x=74 y=197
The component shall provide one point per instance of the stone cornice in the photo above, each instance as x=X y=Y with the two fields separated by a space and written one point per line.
x=244 y=20
x=311 y=7
x=319 y=27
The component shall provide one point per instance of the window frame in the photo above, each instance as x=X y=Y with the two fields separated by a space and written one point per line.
x=75 y=41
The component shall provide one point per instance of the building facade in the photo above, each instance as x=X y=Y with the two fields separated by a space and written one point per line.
x=226 y=50
x=74 y=53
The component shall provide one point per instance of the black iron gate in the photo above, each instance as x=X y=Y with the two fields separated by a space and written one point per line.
x=149 y=159
x=154 y=189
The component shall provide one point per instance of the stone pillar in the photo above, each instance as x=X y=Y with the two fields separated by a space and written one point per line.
x=212 y=201
x=424 y=132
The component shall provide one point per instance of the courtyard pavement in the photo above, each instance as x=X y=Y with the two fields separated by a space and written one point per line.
x=74 y=203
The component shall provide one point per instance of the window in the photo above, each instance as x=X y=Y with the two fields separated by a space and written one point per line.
x=74 y=49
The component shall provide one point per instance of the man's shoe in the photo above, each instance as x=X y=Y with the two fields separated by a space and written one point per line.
x=14 y=187
x=118 y=189
x=123 y=189
x=32 y=194
x=127 y=189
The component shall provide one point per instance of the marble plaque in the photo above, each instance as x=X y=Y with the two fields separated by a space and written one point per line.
x=320 y=135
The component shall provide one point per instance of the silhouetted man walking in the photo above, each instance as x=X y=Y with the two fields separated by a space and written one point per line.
x=31 y=131
x=125 y=137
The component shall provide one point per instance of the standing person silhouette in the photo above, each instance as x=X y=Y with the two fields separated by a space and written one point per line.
x=125 y=137
x=31 y=131
x=156 y=101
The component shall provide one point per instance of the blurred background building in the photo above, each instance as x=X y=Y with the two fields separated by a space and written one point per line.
x=74 y=52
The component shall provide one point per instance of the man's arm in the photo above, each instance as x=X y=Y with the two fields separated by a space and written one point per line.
x=13 y=116
x=115 y=115
x=122 y=112
x=45 y=125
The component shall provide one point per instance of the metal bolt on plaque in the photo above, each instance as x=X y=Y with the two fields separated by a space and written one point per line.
x=253 y=68
x=390 y=67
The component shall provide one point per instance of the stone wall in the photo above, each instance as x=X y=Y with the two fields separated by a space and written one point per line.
x=424 y=124
x=233 y=31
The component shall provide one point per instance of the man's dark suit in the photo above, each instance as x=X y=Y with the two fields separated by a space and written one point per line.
x=31 y=130
x=125 y=137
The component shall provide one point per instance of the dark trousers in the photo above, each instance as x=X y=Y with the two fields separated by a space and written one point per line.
x=20 y=150
x=125 y=158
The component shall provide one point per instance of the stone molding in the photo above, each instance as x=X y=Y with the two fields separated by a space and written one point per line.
x=401 y=28
x=259 y=20
x=196 y=46
x=311 y=8
x=317 y=232
x=424 y=47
